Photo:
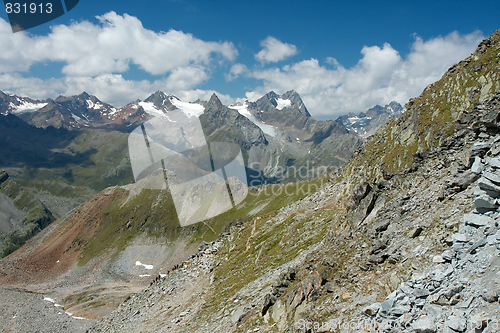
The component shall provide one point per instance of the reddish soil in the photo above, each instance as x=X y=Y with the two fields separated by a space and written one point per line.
x=40 y=260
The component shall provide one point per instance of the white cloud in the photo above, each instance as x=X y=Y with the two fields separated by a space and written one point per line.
x=91 y=50
x=94 y=56
x=381 y=75
x=275 y=50
x=235 y=71
x=110 y=88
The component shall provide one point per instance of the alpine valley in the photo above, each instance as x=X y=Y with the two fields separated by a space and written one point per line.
x=393 y=228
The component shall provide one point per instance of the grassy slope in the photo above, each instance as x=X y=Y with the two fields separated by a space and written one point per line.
x=430 y=117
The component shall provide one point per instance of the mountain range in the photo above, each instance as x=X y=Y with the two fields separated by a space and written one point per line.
x=66 y=160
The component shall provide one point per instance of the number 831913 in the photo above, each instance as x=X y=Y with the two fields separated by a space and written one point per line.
x=31 y=8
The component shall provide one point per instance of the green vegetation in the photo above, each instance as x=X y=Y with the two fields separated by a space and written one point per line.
x=36 y=216
x=430 y=117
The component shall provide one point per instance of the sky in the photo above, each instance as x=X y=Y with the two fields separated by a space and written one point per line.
x=339 y=56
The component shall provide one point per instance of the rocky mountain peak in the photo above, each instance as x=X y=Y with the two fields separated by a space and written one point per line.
x=84 y=96
x=214 y=102
x=296 y=101
x=157 y=96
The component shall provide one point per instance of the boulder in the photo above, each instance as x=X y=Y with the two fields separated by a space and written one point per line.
x=486 y=185
x=360 y=192
x=269 y=300
x=456 y=323
x=485 y=202
x=479 y=149
x=494 y=162
x=492 y=176
x=424 y=325
x=490 y=296
x=372 y=310
x=421 y=293
x=416 y=232
x=459 y=238
x=477 y=166
x=477 y=220
x=448 y=255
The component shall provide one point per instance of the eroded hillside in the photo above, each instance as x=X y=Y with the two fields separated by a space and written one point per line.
x=404 y=238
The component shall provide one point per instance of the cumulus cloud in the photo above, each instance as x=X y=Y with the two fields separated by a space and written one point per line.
x=110 y=88
x=235 y=71
x=275 y=50
x=96 y=55
x=381 y=75
x=109 y=47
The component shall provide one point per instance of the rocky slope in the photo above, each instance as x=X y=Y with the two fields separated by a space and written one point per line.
x=403 y=238
x=21 y=215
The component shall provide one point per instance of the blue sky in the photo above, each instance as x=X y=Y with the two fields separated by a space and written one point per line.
x=340 y=56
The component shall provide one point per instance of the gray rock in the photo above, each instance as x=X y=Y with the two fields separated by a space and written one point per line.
x=457 y=324
x=478 y=192
x=387 y=304
x=361 y=191
x=477 y=220
x=494 y=162
x=382 y=226
x=377 y=258
x=416 y=232
x=459 y=238
x=424 y=325
x=448 y=255
x=440 y=275
x=453 y=290
x=487 y=185
x=399 y=310
x=372 y=310
x=478 y=244
x=458 y=247
x=464 y=180
x=269 y=300
x=491 y=239
x=485 y=202
x=477 y=166
x=420 y=293
x=438 y=259
x=492 y=176
x=378 y=246
x=490 y=296
x=479 y=149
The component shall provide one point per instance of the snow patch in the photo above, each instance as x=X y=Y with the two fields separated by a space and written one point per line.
x=26 y=106
x=138 y=263
x=48 y=299
x=144 y=275
x=95 y=106
x=243 y=110
x=151 y=109
x=283 y=103
x=191 y=109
